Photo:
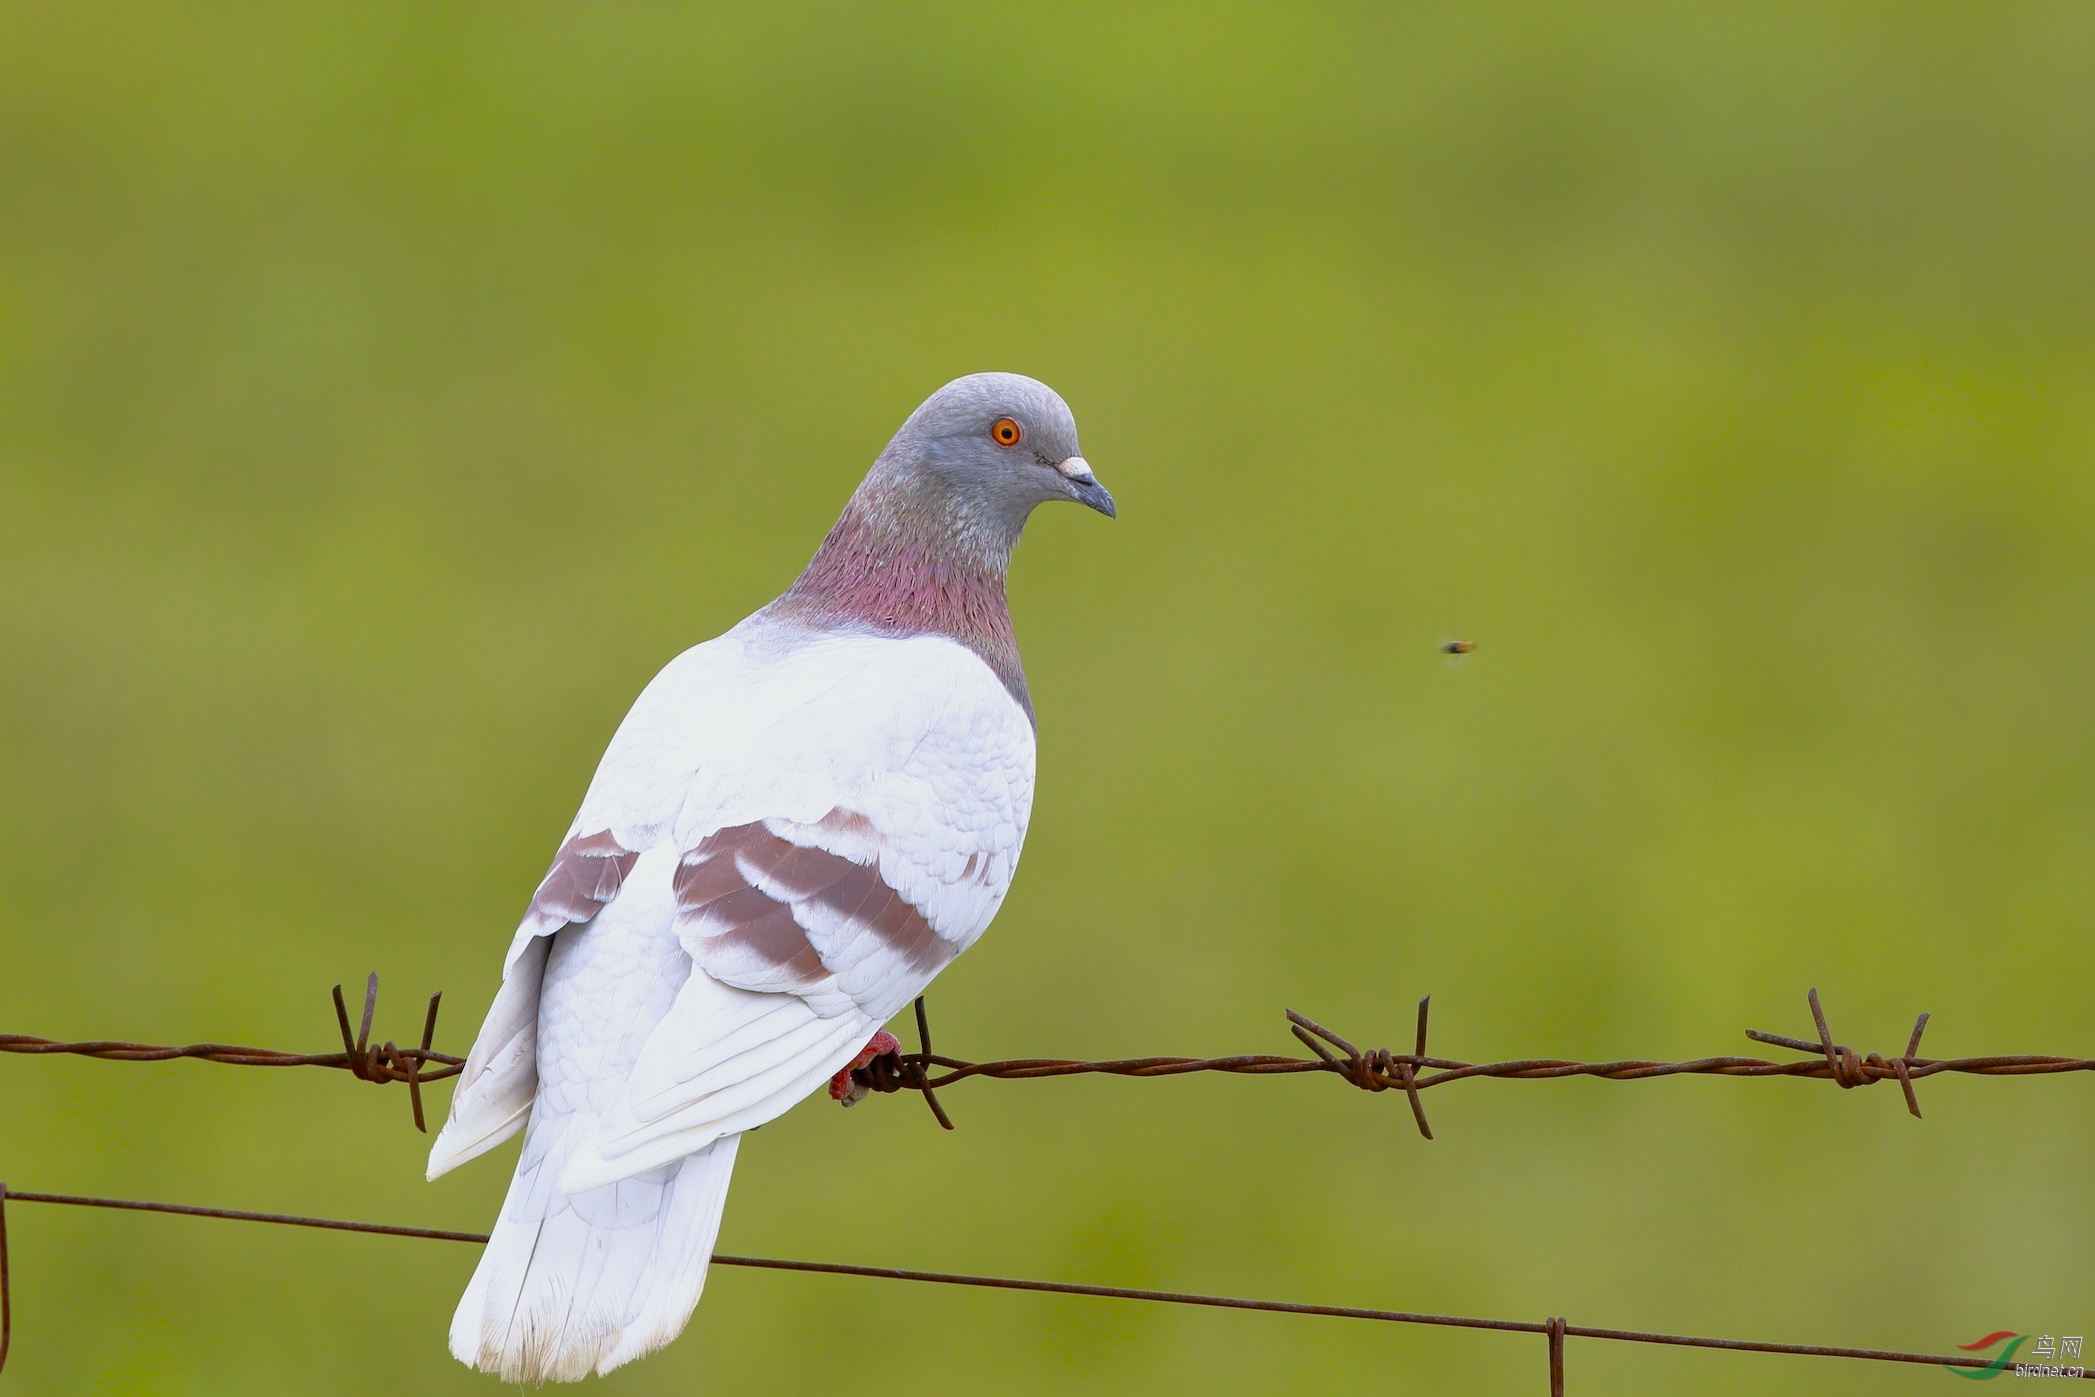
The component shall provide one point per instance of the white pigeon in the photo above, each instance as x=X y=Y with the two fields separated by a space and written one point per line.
x=797 y=826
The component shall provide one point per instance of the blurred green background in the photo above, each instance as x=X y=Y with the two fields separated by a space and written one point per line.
x=388 y=390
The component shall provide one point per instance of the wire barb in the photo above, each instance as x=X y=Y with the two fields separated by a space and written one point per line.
x=390 y=1062
x=1377 y=1069
x=894 y=1070
x=1850 y=1071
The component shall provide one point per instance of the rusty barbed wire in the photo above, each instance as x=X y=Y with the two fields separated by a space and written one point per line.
x=926 y=1072
x=1555 y=1329
x=367 y=1061
x=1370 y=1069
x=1380 y=1069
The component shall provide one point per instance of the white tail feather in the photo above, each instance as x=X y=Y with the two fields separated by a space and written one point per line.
x=571 y=1285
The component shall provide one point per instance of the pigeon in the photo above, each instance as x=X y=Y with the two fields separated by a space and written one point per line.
x=797 y=826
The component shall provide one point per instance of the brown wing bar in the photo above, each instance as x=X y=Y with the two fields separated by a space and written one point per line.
x=739 y=891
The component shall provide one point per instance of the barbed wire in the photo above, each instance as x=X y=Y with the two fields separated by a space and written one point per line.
x=1371 y=1069
x=1380 y=1069
x=368 y=1061
x=1555 y=1329
x=926 y=1072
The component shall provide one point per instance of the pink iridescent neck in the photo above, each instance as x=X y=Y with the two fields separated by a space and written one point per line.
x=878 y=573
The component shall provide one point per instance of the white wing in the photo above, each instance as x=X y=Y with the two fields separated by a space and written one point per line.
x=846 y=814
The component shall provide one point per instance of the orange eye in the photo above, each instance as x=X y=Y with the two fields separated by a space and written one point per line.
x=1006 y=432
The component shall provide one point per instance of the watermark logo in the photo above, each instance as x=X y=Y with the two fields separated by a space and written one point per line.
x=2042 y=1352
x=2001 y=1360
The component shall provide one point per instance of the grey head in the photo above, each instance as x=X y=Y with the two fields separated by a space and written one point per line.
x=924 y=543
x=982 y=452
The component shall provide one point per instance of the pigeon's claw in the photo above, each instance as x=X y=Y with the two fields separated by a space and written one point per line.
x=842 y=1087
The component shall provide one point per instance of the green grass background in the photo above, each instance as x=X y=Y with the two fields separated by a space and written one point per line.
x=388 y=390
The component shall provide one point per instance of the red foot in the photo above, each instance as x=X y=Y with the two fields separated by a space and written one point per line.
x=841 y=1087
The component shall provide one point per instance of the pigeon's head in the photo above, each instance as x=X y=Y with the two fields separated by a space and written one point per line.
x=922 y=547
x=996 y=445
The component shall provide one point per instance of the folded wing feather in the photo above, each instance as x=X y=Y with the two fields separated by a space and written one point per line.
x=492 y=1100
x=802 y=951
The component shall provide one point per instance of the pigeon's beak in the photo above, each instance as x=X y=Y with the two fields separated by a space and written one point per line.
x=1084 y=486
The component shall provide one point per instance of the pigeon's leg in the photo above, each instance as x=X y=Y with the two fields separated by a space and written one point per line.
x=841 y=1087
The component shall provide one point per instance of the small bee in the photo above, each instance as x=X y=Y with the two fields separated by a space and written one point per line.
x=1458 y=647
